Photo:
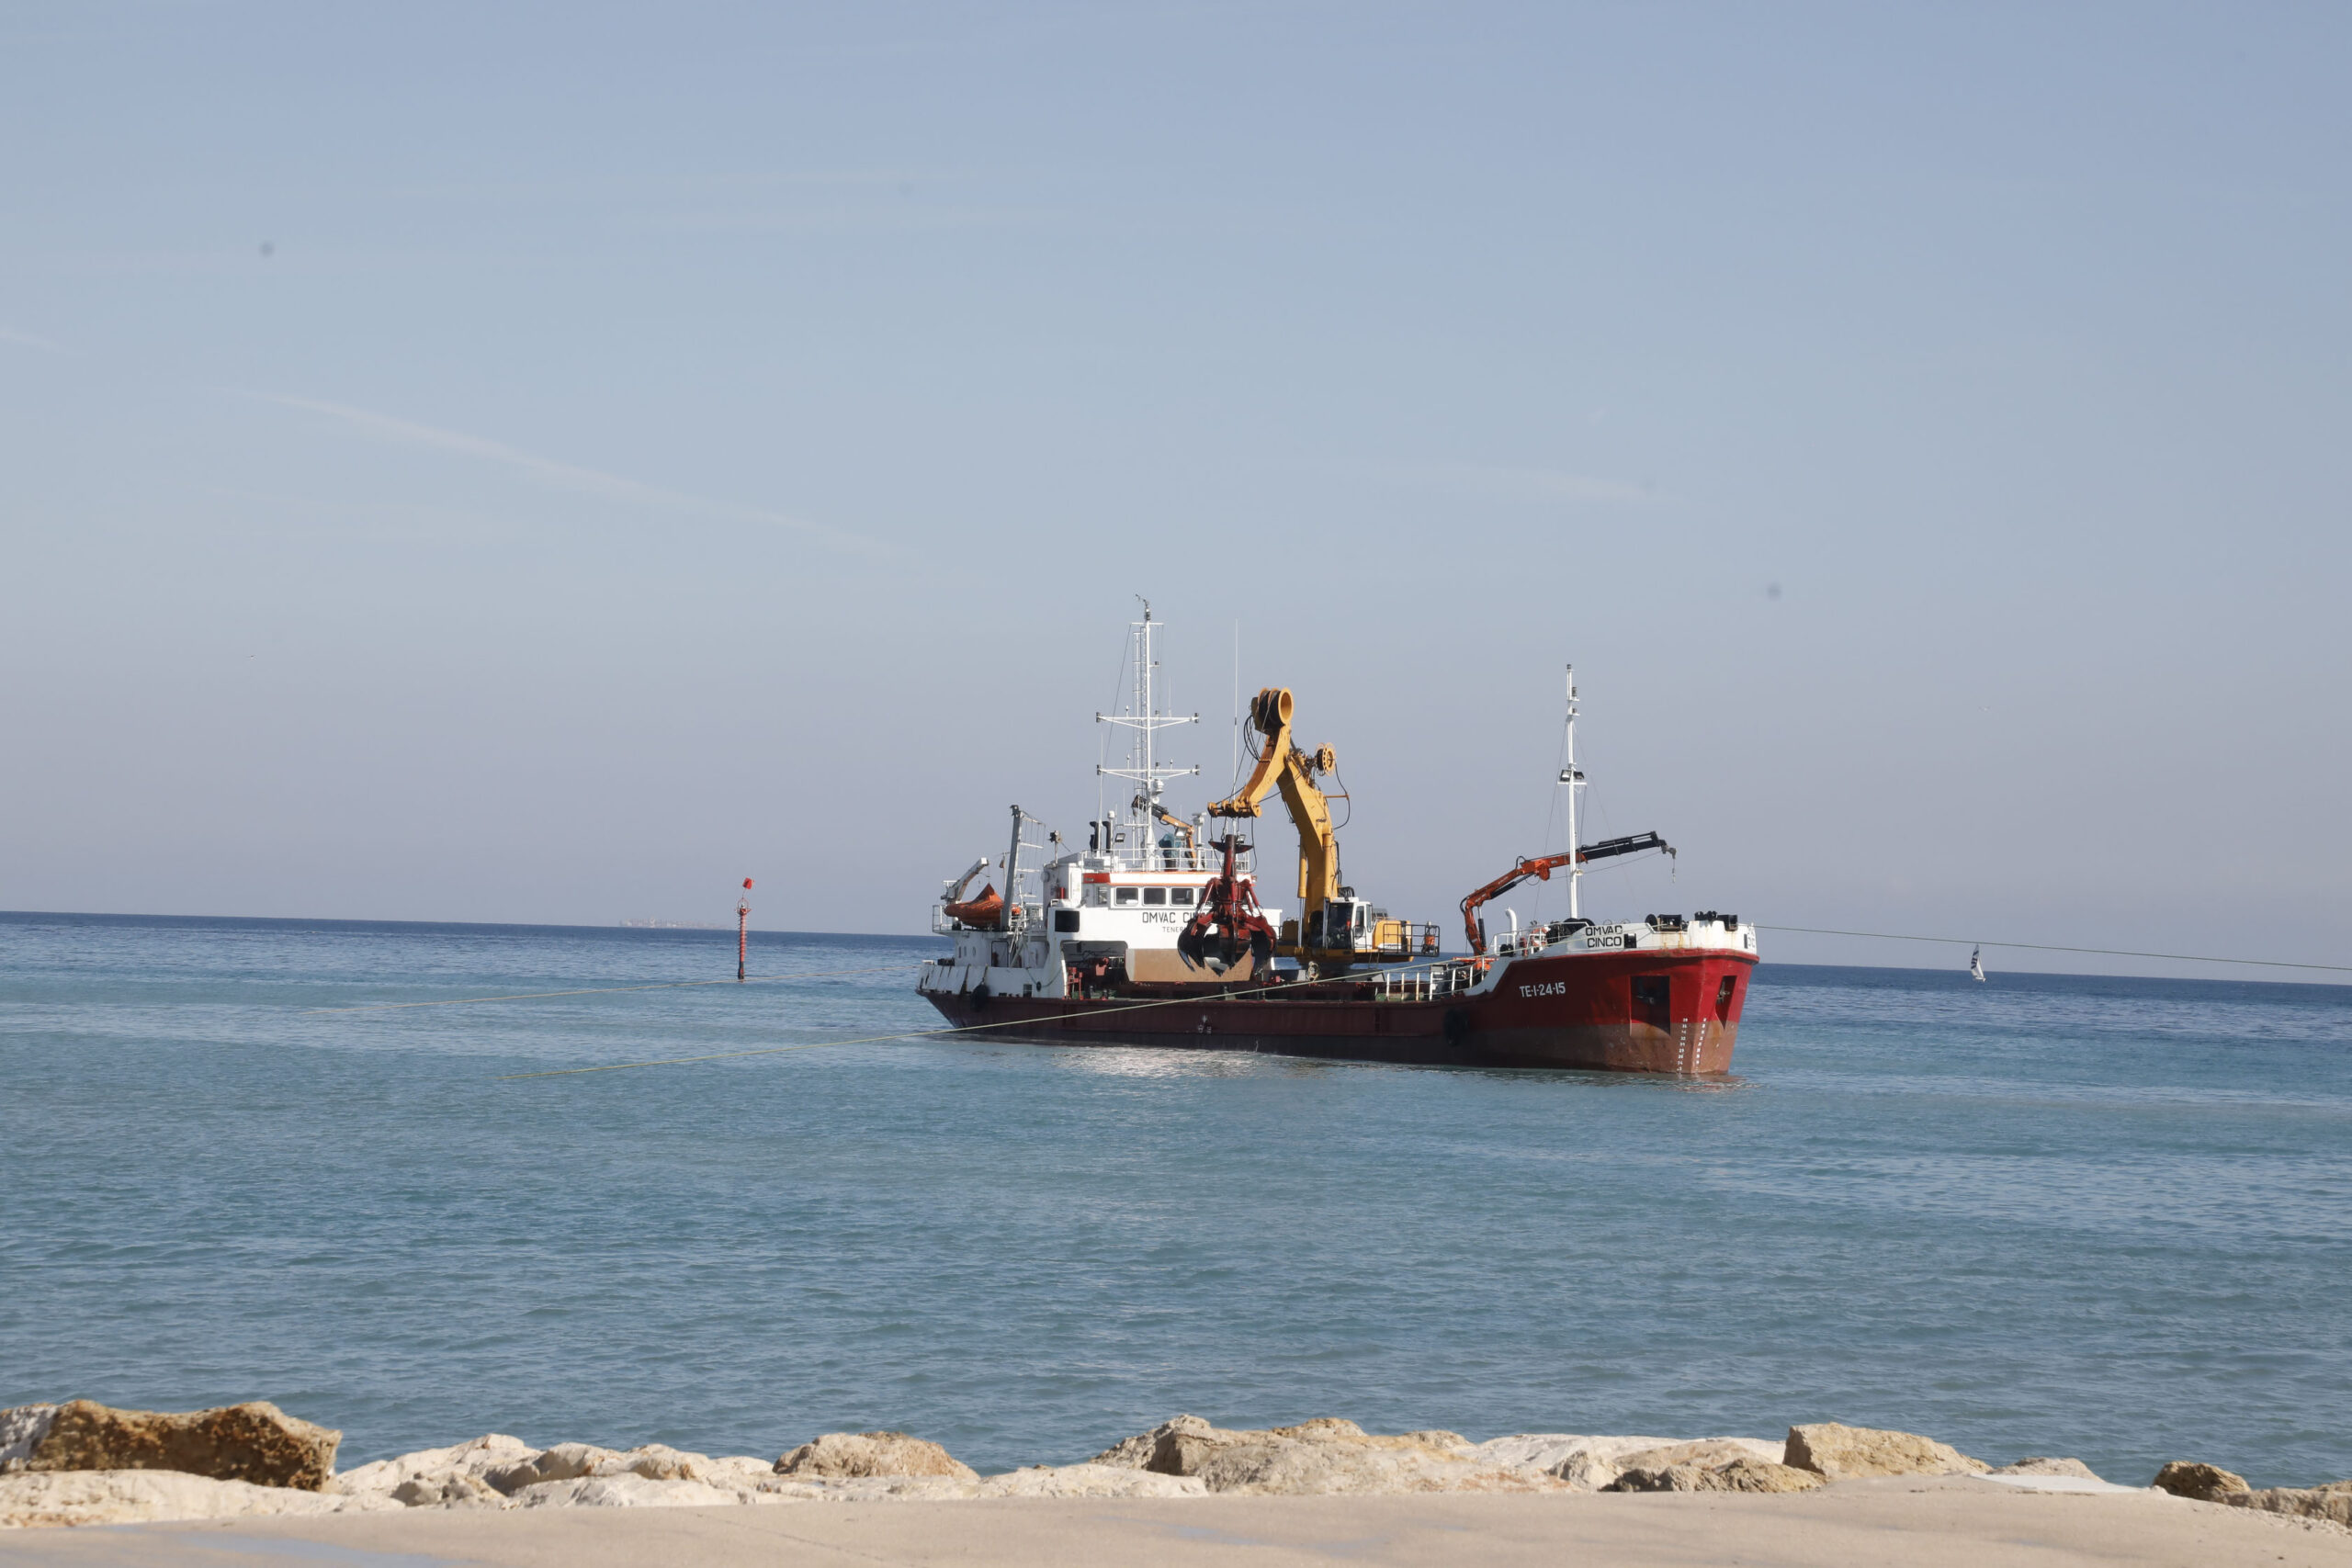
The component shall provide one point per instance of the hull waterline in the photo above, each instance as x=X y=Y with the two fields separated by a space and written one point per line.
x=1638 y=1012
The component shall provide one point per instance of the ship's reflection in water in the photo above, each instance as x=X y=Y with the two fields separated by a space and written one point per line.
x=1150 y=1062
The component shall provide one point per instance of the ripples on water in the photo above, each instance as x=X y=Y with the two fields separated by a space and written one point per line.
x=2046 y=1214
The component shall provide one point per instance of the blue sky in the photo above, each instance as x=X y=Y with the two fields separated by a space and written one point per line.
x=546 y=463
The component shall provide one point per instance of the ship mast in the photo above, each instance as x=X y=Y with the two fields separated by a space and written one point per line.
x=1573 y=776
x=1143 y=722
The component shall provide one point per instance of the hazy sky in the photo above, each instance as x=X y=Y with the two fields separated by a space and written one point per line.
x=546 y=463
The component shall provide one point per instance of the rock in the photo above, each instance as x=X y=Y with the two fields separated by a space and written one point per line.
x=1592 y=1464
x=872 y=1453
x=489 y=1470
x=453 y=1490
x=254 y=1442
x=1175 y=1446
x=2046 y=1466
x=37 y=1498
x=22 y=1427
x=2201 y=1483
x=740 y=1470
x=1323 y=1456
x=1550 y=1450
x=1181 y=1445
x=658 y=1461
x=2331 y=1502
x=1672 y=1478
x=1705 y=1452
x=1438 y=1438
x=1586 y=1472
x=1762 y=1475
x=1090 y=1481
x=565 y=1461
x=488 y=1457
x=1745 y=1473
x=865 y=1489
x=625 y=1490
x=1841 y=1452
x=1683 y=1467
x=1295 y=1466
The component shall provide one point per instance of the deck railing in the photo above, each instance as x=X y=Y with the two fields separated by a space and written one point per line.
x=1424 y=982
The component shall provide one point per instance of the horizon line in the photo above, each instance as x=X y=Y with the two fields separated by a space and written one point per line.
x=19 y=915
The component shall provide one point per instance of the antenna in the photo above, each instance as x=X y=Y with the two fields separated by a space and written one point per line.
x=1573 y=777
x=1143 y=722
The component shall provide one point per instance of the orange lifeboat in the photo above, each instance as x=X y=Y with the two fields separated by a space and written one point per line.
x=987 y=911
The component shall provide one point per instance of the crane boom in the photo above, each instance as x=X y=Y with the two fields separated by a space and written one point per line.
x=1542 y=868
x=1192 y=839
x=1282 y=765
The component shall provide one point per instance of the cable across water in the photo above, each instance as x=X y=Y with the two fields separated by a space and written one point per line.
x=2052 y=947
x=933 y=1033
x=1163 y=1001
x=609 y=990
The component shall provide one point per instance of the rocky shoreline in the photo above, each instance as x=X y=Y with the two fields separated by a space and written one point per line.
x=84 y=1464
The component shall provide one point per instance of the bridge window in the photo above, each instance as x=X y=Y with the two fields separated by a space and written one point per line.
x=1127 y=895
x=1155 y=895
x=1179 y=894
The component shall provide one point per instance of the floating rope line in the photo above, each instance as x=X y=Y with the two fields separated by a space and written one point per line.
x=609 y=990
x=928 y=1034
x=2050 y=947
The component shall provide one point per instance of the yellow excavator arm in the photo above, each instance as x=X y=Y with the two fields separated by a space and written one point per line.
x=1282 y=765
x=1192 y=839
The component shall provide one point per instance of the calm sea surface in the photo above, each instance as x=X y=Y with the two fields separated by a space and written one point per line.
x=2046 y=1215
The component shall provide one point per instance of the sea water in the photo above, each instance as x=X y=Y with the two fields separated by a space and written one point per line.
x=2041 y=1216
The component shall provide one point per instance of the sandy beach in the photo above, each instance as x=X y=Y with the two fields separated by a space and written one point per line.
x=1926 y=1521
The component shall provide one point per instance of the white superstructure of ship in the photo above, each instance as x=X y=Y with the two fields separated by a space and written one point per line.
x=1111 y=912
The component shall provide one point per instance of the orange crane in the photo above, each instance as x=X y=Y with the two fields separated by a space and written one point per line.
x=1542 y=868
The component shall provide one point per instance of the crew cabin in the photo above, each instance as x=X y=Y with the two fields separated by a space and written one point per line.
x=1093 y=919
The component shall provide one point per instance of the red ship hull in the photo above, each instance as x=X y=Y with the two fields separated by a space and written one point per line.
x=1674 y=1012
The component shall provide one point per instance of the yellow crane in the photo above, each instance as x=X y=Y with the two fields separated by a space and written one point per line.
x=1332 y=925
x=1282 y=765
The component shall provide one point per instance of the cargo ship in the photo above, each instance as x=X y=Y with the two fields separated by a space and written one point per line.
x=1154 y=934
